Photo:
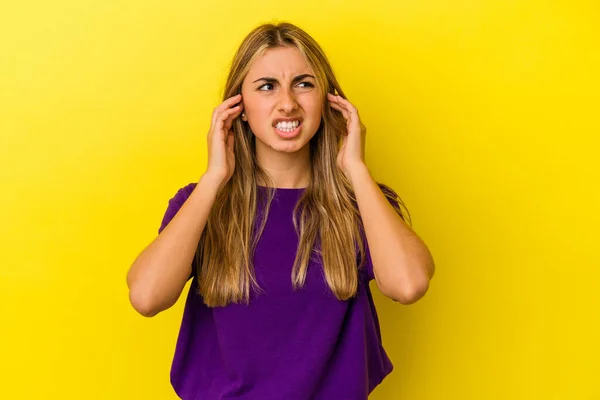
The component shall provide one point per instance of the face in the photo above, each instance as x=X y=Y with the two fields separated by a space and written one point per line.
x=282 y=103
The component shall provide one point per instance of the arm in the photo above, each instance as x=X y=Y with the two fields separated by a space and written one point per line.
x=160 y=272
x=402 y=263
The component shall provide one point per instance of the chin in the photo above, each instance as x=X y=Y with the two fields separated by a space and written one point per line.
x=287 y=147
x=280 y=145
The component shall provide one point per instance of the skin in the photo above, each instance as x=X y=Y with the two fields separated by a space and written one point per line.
x=402 y=263
x=290 y=91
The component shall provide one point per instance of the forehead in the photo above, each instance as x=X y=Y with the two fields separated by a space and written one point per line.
x=280 y=62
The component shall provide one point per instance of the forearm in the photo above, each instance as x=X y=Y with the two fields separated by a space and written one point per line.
x=160 y=272
x=402 y=263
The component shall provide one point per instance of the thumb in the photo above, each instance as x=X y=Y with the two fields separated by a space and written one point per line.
x=230 y=141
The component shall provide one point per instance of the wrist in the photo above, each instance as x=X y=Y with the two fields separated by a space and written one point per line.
x=212 y=181
x=358 y=173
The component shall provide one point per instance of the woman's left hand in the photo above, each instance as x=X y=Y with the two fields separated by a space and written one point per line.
x=352 y=153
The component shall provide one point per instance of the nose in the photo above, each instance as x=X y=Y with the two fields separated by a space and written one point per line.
x=287 y=101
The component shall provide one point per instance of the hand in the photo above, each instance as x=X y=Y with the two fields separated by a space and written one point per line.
x=352 y=153
x=221 y=158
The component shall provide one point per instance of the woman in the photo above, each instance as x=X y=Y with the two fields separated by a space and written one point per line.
x=282 y=235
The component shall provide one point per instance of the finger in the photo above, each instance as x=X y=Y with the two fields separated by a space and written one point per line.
x=230 y=142
x=342 y=110
x=331 y=96
x=346 y=103
x=233 y=115
x=228 y=112
x=340 y=101
x=233 y=100
x=218 y=111
x=225 y=105
x=222 y=118
x=336 y=98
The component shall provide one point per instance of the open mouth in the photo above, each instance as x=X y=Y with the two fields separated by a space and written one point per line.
x=288 y=129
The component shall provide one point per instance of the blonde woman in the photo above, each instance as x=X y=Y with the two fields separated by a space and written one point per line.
x=281 y=236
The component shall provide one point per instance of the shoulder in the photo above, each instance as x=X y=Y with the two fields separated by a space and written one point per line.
x=183 y=193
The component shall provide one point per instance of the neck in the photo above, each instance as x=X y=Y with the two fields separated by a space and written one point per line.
x=288 y=170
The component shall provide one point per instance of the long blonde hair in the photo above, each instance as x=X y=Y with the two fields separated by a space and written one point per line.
x=326 y=213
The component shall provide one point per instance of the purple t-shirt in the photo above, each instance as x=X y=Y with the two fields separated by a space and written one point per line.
x=286 y=344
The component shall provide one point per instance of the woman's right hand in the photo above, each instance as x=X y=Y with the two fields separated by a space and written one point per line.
x=221 y=158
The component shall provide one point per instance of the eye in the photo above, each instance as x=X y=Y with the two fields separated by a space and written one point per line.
x=305 y=85
x=264 y=87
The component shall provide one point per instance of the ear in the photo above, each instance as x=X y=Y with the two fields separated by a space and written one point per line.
x=244 y=118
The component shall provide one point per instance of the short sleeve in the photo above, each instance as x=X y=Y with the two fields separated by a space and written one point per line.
x=391 y=196
x=173 y=207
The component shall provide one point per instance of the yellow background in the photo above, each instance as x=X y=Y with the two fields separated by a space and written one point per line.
x=483 y=115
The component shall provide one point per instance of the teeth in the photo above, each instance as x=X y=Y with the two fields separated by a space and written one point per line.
x=287 y=126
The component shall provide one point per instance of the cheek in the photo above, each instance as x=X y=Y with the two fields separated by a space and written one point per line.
x=313 y=106
x=258 y=114
x=314 y=110
x=257 y=109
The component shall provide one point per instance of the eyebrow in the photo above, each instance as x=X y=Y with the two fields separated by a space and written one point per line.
x=296 y=79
